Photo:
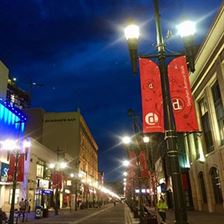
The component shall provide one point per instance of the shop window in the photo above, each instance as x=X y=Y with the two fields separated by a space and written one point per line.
x=206 y=125
x=216 y=185
x=219 y=110
x=202 y=187
x=16 y=196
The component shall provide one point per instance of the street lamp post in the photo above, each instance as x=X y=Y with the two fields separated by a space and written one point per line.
x=135 y=147
x=170 y=129
x=12 y=145
x=56 y=167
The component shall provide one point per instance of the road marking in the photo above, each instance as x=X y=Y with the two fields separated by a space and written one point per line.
x=89 y=216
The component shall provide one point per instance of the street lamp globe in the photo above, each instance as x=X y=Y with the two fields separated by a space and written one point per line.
x=145 y=139
x=187 y=28
x=132 y=32
x=63 y=165
x=9 y=145
x=72 y=175
x=51 y=165
x=125 y=173
x=126 y=163
x=126 y=140
x=26 y=143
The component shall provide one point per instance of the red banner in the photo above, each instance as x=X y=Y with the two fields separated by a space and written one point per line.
x=180 y=92
x=12 y=163
x=143 y=164
x=20 y=169
x=57 y=180
x=132 y=167
x=152 y=103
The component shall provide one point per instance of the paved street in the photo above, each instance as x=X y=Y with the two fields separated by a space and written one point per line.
x=116 y=215
x=106 y=214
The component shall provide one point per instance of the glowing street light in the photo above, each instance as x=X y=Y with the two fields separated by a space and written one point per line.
x=146 y=139
x=125 y=173
x=132 y=32
x=126 y=140
x=187 y=28
x=126 y=163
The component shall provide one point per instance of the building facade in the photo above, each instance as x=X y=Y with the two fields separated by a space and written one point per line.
x=206 y=149
x=68 y=132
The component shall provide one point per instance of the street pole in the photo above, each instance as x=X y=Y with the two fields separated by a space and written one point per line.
x=170 y=129
x=76 y=194
x=11 y=216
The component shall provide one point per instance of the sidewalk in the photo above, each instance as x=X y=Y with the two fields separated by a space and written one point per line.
x=196 y=217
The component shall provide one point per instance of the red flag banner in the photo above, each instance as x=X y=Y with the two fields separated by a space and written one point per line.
x=20 y=170
x=57 y=180
x=143 y=164
x=151 y=91
x=132 y=167
x=12 y=163
x=180 y=92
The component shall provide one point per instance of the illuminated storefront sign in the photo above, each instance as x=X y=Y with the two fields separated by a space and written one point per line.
x=4 y=172
x=12 y=120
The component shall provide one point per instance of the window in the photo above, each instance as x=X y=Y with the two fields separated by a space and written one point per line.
x=196 y=145
x=202 y=186
x=216 y=185
x=219 y=110
x=40 y=170
x=16 y=196
x=206 y=125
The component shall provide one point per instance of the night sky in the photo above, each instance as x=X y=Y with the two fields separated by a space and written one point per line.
x=76 y=51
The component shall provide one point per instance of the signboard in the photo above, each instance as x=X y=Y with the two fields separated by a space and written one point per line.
x=4 y=172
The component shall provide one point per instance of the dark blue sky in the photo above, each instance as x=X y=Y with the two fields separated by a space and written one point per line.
x=76 y=49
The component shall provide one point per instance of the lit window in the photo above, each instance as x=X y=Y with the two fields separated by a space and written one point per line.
x=219 y=110
x=206 y=125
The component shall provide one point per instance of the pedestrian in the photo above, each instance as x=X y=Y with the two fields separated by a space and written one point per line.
x=3 y=217
x=22 y=209
x=162 y=207
x=27 y=210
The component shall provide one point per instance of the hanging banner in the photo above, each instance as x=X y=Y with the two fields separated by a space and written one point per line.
x=20 y=170
x=143 y=164
x=151 y=91
x=181 y=96
x=57 y=180
x=12 y=163
x=132 y=167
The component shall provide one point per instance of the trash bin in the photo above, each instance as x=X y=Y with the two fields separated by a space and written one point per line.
x=45 y=212
x=38 y=211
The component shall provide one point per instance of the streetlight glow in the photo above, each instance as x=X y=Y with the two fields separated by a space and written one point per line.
x=132 y=32
x=126 y=140
x=63 y=165
x=51 y=165
x=186 y=28
x=125 y=173
x=146 y=139
x=26 y=144
x=126 y=163
x=9 y=144
x=72 y=175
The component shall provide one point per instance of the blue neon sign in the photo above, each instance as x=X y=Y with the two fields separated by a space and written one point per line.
x=12 y=121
